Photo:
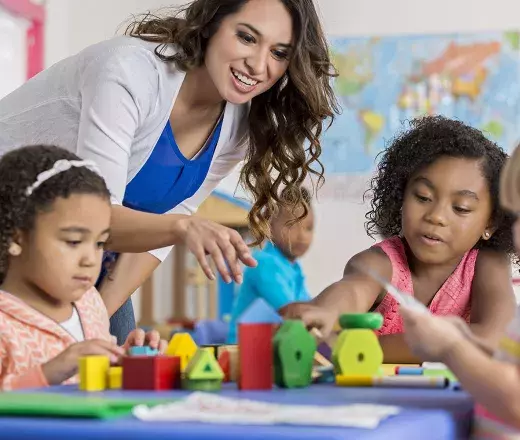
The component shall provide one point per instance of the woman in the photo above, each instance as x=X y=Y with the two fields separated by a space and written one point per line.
x=169 y=109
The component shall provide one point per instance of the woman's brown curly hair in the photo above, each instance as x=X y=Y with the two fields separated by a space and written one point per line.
x=285 y=122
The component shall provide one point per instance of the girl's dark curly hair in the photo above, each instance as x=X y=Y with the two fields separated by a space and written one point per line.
x=19 y=170
x=428 y=139
x=281 y=120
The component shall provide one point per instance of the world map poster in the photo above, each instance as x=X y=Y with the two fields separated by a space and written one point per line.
x=386 y=81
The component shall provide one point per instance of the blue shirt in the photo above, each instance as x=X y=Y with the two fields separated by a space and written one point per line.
x=274 y=283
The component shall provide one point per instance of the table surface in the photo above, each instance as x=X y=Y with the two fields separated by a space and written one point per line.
x=427 y=414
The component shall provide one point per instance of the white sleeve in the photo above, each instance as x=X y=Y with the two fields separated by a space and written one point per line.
x=117 y=92
x=222 y=166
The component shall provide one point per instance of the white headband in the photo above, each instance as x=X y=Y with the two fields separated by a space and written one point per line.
x=58 y=167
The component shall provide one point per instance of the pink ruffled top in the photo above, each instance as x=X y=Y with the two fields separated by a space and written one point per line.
x=453 y=298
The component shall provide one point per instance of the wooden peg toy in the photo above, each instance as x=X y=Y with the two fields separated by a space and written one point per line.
x=229 y=362
x=293 y=354
x=93 y=371
x=143 y=351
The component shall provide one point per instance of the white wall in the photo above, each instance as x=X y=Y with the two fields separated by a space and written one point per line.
x=73 y=24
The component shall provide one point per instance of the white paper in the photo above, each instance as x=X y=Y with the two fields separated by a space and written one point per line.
x=212 y=408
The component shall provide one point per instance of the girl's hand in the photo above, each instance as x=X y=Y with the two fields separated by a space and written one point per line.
x=313 y=316
x=138 y=338
x=66 y=364
x=432 y=338
x=225 y=245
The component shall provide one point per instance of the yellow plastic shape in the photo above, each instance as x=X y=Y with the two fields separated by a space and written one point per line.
x=115 y=378
x=357 y=352
x=182 y=346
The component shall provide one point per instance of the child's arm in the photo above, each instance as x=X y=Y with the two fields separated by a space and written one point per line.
x=356 y=292
x=492 y=298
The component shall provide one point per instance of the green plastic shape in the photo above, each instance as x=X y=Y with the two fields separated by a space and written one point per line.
x=293 y=355
x=372 y=321
x=203 y=366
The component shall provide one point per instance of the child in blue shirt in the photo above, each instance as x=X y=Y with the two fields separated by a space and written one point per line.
x=278 y=279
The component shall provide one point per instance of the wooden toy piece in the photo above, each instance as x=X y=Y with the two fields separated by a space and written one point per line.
x=357 y=352
x=231 y=352
x=151 y=372
x=115 y=378
x=203 y=372
x=93 y=372
x=182 y=345
x=225 y=364
x=255 y=356
x=293 y=355
x=143 y=351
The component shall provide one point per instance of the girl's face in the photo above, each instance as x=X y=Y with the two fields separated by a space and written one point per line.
x=61 y=257
x=250 y=51
x=447 y=209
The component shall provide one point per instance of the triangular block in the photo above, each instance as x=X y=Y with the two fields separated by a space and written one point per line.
x=203 y=366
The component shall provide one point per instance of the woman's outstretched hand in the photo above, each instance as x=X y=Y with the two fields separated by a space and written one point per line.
x=225 y=246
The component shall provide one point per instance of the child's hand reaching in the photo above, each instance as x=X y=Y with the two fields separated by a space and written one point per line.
x=432 y=338
x=313 y=316
x=138 y=338
x=66 y=364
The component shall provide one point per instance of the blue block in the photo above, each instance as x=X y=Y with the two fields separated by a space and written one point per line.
x=143 y=351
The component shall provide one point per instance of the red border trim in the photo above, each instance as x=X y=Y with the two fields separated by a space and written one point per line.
x=35 y=34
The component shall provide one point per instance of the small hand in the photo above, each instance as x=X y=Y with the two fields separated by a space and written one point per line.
x=432 y=338
x=66 y=364
x=223 y=244
x=313 y=316
x=138 y=338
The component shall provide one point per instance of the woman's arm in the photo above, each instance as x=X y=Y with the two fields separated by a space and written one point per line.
x=128 y=274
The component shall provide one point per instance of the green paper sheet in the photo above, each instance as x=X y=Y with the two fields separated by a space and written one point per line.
x=59 y=405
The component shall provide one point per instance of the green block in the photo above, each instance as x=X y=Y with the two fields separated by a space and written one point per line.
x=443 y=373
x=203 y=366
x=370 y=320
x=201 y=385
x=293 y=355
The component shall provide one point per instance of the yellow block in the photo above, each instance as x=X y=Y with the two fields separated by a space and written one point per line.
x=115 y=378
x=93 y=371
x=182 y=345
x=357 y=352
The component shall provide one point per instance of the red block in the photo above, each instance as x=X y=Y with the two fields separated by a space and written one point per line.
x=256 y=356
x=225 y=363
x=151 y=372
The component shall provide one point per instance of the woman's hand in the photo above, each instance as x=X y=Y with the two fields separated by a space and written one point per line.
x=225 y=245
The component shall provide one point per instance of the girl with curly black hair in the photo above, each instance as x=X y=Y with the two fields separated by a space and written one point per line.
x=54 y=222
x=446 y=240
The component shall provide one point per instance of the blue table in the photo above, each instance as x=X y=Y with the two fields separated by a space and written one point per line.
x=428 y=415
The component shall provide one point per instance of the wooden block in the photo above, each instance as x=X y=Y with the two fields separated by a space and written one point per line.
x=93 y=372
x=182 y=346
x=203 y=366
x=357 y=352
x=293 y=355
x=151 y=372
x=230 y=351
x=224 y=362
x=143 y=351
x=115 y=378
x=255 y=356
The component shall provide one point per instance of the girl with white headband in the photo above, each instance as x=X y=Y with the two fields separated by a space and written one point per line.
x=54 y=222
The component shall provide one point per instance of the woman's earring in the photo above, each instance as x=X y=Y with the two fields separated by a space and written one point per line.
x=15 y=249
x=487 y=235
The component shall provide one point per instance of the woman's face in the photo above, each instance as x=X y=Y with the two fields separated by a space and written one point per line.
x=250 y=51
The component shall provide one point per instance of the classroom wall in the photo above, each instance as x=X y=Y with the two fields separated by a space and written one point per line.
x=74 y=24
